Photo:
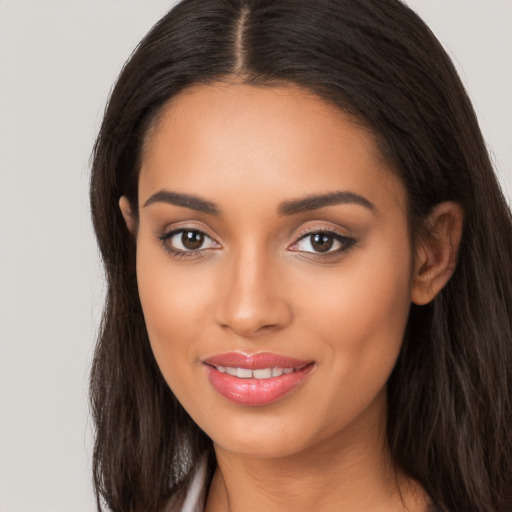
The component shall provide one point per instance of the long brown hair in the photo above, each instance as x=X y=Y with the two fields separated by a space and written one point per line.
x=450 y=411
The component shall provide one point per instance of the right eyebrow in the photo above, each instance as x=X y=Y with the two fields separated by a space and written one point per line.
x=185 y=200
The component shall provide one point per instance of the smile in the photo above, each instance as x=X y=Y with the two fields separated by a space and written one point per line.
x=255 y=380
x=247 y=373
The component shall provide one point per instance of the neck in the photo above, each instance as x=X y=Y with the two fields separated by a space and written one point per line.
x=350 y=471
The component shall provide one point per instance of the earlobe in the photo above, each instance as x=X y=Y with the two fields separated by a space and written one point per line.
x=129 y=218
x=437 y=251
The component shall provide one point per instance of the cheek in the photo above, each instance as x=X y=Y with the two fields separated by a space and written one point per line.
x=371 y=302
x=175 y=305
x=359 y=315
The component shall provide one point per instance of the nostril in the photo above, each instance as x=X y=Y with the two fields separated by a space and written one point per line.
x=255 y=325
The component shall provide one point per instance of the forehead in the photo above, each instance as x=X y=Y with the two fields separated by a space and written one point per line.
x=247 y=142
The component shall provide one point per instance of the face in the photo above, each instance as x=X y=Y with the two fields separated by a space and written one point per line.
x=274 y=266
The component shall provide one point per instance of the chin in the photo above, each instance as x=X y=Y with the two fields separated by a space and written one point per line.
x=255 y=446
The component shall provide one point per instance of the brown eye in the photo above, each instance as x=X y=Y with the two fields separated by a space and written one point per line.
x=192 y=240
x=187 y=240
x=321 y=242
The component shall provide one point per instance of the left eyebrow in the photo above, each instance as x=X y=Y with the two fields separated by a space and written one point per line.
x=315 y=202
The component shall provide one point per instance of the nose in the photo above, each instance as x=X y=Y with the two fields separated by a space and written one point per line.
x=253 y=301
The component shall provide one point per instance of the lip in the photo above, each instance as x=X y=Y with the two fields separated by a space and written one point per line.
x=252 y=391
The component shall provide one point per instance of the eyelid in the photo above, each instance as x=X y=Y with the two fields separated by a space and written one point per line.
x=318 y=228
x=187 y=226
x=167 y=234
x=345 y=240
x=173 y=234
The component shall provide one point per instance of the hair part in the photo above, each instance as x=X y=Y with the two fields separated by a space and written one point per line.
x=450 y=412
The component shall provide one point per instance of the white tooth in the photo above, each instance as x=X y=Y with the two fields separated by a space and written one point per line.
x=263 y=373
x=231 y=371
x=244 y=373
x=286 y=371
x=221 y=369
x=277 y=372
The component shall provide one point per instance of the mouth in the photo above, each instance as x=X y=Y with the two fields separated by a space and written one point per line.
x=258 y=379
x=262 y=373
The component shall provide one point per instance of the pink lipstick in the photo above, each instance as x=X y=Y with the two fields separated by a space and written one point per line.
x=256 y=379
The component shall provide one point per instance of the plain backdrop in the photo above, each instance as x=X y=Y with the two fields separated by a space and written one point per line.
x=58 y=61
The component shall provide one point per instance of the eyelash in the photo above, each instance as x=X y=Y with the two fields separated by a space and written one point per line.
x=178 y=253
x=346 y=243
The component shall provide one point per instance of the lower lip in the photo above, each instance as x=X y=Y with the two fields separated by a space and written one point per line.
x=256 y=392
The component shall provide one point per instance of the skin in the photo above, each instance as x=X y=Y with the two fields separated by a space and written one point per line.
x=258 y=285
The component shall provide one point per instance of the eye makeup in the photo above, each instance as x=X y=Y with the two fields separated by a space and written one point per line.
x=187 y=242
x=322 y=243
x=190 y=242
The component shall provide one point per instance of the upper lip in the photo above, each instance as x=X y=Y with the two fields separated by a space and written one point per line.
x=255 y=361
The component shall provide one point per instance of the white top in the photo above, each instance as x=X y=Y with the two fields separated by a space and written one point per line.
x=195 y=497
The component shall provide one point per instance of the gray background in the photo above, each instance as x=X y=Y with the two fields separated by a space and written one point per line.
x=58 y=60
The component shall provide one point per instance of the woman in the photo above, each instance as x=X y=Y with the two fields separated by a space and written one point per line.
x=309 y=269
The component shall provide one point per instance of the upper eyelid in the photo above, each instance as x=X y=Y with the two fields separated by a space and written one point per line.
x=166 y=237
x=169 y=232
x=302 y=233
x=321 y=229
x=341 y=234
x=342 y=239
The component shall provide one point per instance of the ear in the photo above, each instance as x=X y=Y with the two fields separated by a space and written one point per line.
x=436 y=252
x=129 y=218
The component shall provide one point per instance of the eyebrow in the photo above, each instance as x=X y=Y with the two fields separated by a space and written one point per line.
x=185 y=200
x=286 y=208
x=317 y=201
